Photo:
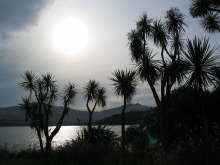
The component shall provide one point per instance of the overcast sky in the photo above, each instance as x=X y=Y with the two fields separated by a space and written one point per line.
x=25 y=42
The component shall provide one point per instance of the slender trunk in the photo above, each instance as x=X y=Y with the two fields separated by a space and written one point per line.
x=48 y=145
x=46 y=121
x=123 y=131
x=162 y=118
x=90 y=127
x=161 y=108
x=40 y=140
x=123 y=126
x=162 y=57
x=156 y=97
x=59 y=123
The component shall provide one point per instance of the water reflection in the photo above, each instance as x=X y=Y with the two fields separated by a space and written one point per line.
x=16 y=138
x=66 y=133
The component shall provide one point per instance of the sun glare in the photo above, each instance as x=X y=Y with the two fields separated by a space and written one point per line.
x=69 y=36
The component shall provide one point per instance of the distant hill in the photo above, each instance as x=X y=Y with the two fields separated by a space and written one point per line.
x=132 y=117
x=14 y=116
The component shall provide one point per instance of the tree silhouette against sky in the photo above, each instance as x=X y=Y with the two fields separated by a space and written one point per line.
x=169 y=69
x=203 y=73
x=95 y=96
x=38 y=105
x=124 y=82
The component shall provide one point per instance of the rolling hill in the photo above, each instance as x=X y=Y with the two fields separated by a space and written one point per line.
x=14 y=116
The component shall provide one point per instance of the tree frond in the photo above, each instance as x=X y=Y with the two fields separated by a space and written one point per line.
x=211 y=22
x=69 y=93
x=199 y=7
x=203 y=63
x=91 y=90
x=29 y=79
x=148 y=67
x=101 y=97
x=124 y=82
x=159 y=34
x=144 y=26
x=175 y=21
x=135 y=45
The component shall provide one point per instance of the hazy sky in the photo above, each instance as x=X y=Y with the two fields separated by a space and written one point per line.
x=25 y=42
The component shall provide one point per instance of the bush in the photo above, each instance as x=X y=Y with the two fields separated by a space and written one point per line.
x=137 y=139
x=100 y=135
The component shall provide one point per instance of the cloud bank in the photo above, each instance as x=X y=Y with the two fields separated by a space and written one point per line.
x=18 y=15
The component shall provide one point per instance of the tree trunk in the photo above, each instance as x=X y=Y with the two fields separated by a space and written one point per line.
x=123 y=126
x=58 y=124
x=40 y=140
x=123 y=138
x=48 y=145
x=162 y=113
x=90 y=127
x=154 y=92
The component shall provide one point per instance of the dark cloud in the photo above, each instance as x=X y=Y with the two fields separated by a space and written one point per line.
x=19 y=14
x=15 y=15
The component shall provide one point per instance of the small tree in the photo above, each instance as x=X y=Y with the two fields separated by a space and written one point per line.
x=39 y=104
x=124 y=82
x=95 y=96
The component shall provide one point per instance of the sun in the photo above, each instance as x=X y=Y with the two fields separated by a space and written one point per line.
x=69 y=36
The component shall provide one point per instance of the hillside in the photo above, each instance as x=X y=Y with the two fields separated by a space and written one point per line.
x=132 y=117
x=14 y=116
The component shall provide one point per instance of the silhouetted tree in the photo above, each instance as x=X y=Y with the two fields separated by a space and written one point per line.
x=170 y=68
x=39 y=104
x=124 y=82
x=203 y=68
x=95 y=95
x=209 y=12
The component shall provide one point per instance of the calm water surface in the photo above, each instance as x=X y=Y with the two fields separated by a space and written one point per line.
x=15 y=138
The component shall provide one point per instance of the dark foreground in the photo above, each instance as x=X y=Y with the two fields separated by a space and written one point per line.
x=88 y=154
x=105 y=149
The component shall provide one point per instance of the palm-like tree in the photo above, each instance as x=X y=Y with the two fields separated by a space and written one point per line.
x=168 y=36
x=209 y=11
x=124 y=82
x=170 y=68
x=203 y=71
x=203 y=65
x=38 y=106
x=95 y=95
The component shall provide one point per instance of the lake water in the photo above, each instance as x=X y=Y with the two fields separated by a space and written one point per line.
x=16 y=138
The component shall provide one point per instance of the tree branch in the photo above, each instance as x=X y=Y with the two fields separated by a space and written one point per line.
x=156 y=97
